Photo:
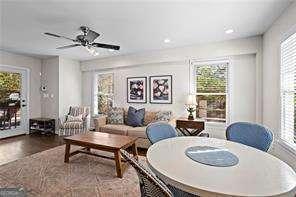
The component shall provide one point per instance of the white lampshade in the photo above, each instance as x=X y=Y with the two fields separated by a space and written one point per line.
x=191 y=100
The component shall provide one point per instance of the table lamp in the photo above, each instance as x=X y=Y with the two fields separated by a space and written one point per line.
x=191 y=105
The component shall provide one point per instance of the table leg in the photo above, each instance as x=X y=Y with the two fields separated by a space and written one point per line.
x=135 y=151
x=67 y=153
x=187 y=132
x=182 y=130
x=117 y=158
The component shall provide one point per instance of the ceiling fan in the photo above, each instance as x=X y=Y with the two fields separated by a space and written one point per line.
x=86 y=40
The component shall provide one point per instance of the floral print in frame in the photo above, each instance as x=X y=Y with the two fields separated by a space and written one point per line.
x=161 y=89
x=136 y=89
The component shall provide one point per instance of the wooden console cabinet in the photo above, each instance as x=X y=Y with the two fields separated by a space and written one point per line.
x=42 y=125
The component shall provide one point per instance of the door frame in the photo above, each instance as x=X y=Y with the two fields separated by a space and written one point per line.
x=25 y=110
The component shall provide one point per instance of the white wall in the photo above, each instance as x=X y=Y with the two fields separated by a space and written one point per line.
x=271 y=77
x=242 y=88
x=69 y=85
x=87 y=88
x=34 y=65
x=179 y=72
x=62 y=78
x=50 y=78
x=251 y=45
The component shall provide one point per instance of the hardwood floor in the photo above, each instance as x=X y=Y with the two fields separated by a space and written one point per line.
x=21 y=146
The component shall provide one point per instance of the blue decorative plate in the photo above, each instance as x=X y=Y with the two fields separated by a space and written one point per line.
x=212 y=156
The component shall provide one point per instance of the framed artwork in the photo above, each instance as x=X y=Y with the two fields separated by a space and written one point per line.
x=137 y=89
x=161 y=89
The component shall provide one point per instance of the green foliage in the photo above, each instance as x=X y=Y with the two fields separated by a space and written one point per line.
x=211 y=78
x=9 y=83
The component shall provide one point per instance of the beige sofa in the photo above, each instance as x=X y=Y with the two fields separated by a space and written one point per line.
x=101 y=125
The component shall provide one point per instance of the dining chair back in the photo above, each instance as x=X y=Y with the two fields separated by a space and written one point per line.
x=159 y=131
x=150 y=185
x=250 y=134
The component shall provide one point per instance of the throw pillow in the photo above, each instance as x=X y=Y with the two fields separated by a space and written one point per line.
x=115 y=115
x=164 y=116
x=74 y=118
x=135 y=118
x=149 y=117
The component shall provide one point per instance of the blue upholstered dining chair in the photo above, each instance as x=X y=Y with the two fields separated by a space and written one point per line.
x=250 y=134
x=159 y=131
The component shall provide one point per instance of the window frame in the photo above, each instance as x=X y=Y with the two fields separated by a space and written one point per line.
x=95 y=91
x=192 y=87
x=283 y=142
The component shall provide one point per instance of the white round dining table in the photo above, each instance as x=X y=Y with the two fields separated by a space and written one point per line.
x=256 y=174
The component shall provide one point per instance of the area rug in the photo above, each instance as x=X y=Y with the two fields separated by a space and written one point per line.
x=46 y=174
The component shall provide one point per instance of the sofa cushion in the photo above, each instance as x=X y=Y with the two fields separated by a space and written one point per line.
x=115 y=116
x=72 y=125
x=164 y=116
x=119 y=129
x=135 y=117
x=150 y=117
x=137 y=132
x=74 y=118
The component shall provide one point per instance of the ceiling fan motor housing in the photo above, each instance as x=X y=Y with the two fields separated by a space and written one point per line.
x=84 y=29
x=82 y=40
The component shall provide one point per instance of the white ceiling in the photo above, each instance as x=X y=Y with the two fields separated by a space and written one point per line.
x=136 y=26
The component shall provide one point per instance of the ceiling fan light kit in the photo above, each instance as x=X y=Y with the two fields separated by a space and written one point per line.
x=86 y=40
x=92 y=50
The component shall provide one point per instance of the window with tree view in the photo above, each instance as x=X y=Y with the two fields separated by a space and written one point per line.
x=105 y=94
x=211 y=91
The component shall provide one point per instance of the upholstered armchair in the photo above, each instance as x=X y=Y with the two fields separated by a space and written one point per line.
x=76 y=121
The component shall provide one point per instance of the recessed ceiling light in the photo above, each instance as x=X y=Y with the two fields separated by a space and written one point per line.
x=111 y=50
x=229 y=31
x=167 y=40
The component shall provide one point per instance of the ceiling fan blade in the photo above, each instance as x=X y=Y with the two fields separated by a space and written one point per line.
x=91 y=35
x=106 y=46
x=69 y=46
x=58 y=36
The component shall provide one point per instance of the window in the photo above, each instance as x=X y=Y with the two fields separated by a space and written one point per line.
x=105 y=94
x=210 y=82
x=288 y=93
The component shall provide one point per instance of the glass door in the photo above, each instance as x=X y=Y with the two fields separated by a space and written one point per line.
x=13 y=101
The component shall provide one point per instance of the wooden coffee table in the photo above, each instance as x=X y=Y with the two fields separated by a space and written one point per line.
x=104 y=142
